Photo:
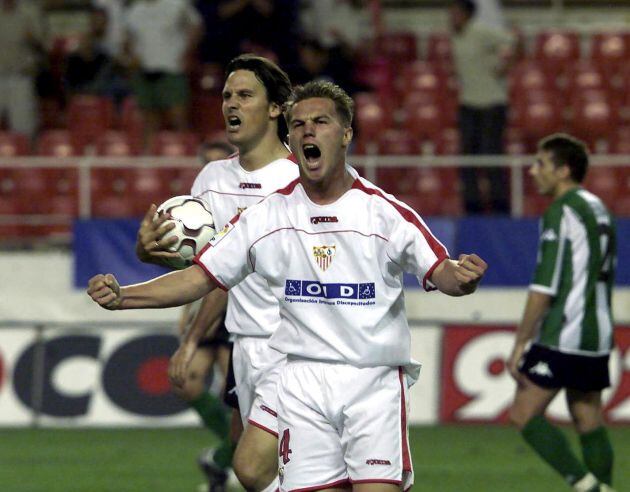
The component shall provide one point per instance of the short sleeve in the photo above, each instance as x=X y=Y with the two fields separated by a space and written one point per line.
x=413 y=247
x=550 y=252
x=226 y=257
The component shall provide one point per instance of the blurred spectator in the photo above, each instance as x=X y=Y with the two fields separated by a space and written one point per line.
x=21 y=34
x=114 y=10
x=160 y=43
x=233 y=27
x=482 y=56
x=316 y=63
x=490 y=13
x=214 y=150
x=339 y=27
x=90 y=69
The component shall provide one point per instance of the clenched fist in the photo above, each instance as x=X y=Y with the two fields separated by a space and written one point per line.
x=469 y=271
x=105 y=290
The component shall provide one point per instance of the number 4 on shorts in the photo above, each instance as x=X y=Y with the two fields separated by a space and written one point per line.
x=285 y=450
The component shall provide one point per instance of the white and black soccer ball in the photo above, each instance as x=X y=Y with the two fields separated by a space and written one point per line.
x=194 y=227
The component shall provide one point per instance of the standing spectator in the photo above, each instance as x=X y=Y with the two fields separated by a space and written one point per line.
x=568 y=317
x=21 y=32
x=115 y=28
x=161 y=39
x=482 y=56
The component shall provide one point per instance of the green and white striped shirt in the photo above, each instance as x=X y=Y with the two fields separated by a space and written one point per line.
x=576 y=265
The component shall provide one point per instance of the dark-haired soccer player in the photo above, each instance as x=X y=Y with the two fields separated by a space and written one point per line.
x=254 y=93
x=568 y=317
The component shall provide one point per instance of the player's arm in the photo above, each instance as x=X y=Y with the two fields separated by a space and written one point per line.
x=459 y=278
x=205 y=324
x=151 y=246
x=536 y=308
x=172 y=289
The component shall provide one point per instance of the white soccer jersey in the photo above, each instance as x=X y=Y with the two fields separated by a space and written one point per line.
x=229 y=189
x=336 y=269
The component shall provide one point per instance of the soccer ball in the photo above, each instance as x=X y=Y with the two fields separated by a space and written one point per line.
x=194 y=227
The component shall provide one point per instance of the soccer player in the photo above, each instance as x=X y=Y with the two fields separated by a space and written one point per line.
x=253 y=96
x=333 y=249
x=568 y=317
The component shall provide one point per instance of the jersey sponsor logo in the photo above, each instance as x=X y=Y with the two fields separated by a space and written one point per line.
x=222 y=233
x=314 y=289
x=324 y=255
x=323 y=218
x=265 y=408
x=250 y=186
x=549 y=235
x=541 y=369
x=373 y=462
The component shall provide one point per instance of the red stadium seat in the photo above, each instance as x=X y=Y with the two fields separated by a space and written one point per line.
x=375 y=75
x=584 y=75
x=604 y=182
x=151 y=185
x=114 y=143
x=88 y=118
x=46 y=190
x=447 y=142
x=621 y=206
x=132 y=122
x=592 y=116
x=112 y=193
x=174 y=144
x=620 y=141
x=14 y=144
x=610 y=51
x=205 y=113
x=372 y=115
x=439 y=47
x=396 y=142
x=537 y=114
x=183 y=179
x=57 y=143
x=529 y=75
x=422 y=76
x=557 y=50
x=515 y=142
x=398 y=47
x=423 y=115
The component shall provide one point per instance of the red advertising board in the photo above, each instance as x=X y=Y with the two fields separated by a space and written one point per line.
x=476 y=386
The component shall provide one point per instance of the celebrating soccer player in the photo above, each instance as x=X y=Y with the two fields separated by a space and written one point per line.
x=333 y=248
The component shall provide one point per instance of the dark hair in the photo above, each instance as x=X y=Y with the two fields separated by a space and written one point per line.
x=567 y=151
x=344 y=105
x=271 y=76
x=214 y=144
x=467 y=6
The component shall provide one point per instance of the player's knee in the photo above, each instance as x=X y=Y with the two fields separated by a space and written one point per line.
x=252 y=472
x=518 y=417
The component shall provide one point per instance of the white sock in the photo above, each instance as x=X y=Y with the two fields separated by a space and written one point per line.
x=272 y=487
x=586 y=483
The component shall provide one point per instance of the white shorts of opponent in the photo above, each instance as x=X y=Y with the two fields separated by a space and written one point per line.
x=340 y=424
x=256 y=371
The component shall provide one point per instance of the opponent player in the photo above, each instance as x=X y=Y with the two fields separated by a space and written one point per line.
x=569 y=317
x=333 y=249
x=254 y=93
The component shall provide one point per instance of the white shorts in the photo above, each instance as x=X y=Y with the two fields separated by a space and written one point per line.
x=256 y=371
x=341 y=424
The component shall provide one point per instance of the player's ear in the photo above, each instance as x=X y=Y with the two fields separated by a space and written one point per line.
x=275 y=110
x=347 y=136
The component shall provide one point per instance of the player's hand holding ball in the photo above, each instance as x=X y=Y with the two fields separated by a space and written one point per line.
x=151 y=244
x=105 y=290
x=469 y=271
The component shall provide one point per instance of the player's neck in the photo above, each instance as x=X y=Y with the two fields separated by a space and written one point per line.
x=330 y=189
x=257 y=157
x=564 y=188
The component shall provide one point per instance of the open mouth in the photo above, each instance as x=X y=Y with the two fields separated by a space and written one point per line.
x=234 y=122
x=311 y=153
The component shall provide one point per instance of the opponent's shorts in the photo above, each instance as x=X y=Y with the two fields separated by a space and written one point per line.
x=340 y=425
x=256 y=370
x=550 y=368
x=230 y=397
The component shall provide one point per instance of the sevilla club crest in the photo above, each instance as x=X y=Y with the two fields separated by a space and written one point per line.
x=324 y=255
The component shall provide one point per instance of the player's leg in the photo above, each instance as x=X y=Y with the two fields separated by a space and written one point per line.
x=587 y=415
x=542 y=378
x=255 y=459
